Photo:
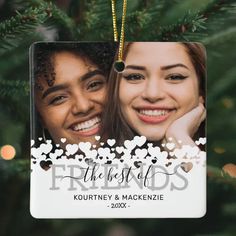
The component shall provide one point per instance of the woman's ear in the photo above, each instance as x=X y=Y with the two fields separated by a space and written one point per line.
x=201 y=99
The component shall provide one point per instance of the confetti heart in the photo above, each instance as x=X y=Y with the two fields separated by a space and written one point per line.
x=170 y=146
x=163 y=154
x=103 y=151
x=46 y=165
x=192 y=151
x=119 y=149
x=186 y=166
x=71 y=149
x=141 y=152
x=154 y=161
x=92 y=154
x=46 y=147
x=154 y=151
x=112 y=155
x=97 y=138
x=85 y=146
x=140 y=140
x=63 y=140
x=137 y=164
x=129 y=144
x=179 y=153
x=111 y=142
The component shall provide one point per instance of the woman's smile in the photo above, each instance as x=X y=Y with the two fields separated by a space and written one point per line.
x=154 y=116
x=88 y=127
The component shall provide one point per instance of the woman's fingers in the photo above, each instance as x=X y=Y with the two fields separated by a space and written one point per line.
x=186 y=126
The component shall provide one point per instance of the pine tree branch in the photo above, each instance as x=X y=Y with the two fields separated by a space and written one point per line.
x=14 y=30
x=144 y=20
x=97 y=20
x=17 y=87
x=219 y=14
x=219 y=6
x=193 y=26
x=185 y=29
x=23 y=23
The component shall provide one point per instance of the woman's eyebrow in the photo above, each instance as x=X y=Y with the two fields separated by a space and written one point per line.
x=91 y=74
x=173 y=66
x=65 y=86
x=135 y=67
x=54 y=89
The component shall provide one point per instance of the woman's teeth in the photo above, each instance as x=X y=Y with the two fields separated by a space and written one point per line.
x=86 y=124
x=154 y=112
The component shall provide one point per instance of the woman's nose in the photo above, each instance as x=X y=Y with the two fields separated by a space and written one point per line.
x=82 y=104
x=153 y=90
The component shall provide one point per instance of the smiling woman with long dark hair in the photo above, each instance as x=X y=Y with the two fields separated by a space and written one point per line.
x=160 y=94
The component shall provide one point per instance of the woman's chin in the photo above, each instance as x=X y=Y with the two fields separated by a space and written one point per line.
x=153 y=136
x=64 y=140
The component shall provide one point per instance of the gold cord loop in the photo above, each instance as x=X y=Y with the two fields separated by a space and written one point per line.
x=122 y=32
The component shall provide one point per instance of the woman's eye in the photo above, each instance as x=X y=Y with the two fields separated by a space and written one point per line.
x=176 y=77
x=57 y=100
x=133 y=77
x=95 y=85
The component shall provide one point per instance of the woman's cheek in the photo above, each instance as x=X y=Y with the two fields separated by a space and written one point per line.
x=99 y=97
x=57 y=115
x=128 y=91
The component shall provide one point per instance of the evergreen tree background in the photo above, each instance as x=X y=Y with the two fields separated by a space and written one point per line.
x=211 y=22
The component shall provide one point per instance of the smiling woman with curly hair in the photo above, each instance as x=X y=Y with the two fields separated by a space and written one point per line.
x=70 y=81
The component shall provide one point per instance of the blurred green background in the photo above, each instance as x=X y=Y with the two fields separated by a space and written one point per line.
x=211 y=22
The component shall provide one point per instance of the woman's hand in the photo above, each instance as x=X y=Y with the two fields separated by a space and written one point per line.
x=185 y=127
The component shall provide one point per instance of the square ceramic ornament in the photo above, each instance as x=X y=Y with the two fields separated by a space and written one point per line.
x=118 y=143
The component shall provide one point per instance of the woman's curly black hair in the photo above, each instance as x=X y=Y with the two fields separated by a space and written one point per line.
x=100 y=54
